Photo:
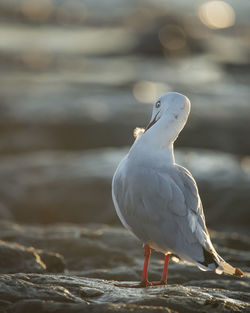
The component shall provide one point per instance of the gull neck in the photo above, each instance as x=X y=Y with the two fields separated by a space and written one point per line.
x=157 y=142
x=144 y=151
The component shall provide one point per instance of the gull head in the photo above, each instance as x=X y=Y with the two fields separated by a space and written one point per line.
x=172 y=107
x=169 y=116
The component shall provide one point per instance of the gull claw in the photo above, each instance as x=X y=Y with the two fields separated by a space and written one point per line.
x=142 y=284
x=159 y=283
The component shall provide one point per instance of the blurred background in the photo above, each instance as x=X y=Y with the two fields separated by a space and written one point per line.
x=78 y=76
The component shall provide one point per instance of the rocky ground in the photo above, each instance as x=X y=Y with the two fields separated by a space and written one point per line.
x=69 y=268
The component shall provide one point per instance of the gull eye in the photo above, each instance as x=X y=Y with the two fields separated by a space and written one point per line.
x=158 y=104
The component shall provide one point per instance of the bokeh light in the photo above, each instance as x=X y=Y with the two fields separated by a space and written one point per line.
x=245 y=164
x=37 y=10
x=216 y=14
x=36 y=59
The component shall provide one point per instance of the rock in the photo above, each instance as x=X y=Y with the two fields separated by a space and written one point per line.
x=91 y=292
x=18 y=258
x=40 y=181
x=48 y=103
x=54 y=262
x=5 y=213
x=99 y=256
x=57 y=293
x=82 y=247
x=75 y=116
x=108 y=252
x=76 y=186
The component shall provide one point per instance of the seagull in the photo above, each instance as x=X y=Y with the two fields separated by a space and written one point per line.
x=158 y=199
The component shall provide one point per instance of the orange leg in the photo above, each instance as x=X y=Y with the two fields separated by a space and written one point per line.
x=165 y=269
x=147 y=253
x=163 y=280
x=145 y=282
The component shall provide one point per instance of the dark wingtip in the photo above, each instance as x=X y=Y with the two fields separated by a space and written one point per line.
x=238 y=272
x=209 y=258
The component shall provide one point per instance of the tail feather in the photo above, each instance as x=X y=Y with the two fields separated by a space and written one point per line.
x=228 y=269
x=212 y=261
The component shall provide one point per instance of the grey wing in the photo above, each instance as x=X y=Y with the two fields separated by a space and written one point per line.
x=194 y=243
x=163 y=208
x=194 y=226
x=172 y=205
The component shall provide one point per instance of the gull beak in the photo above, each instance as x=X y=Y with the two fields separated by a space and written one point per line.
x=152 y=123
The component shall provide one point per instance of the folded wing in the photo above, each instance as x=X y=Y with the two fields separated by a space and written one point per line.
x=163 y=209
